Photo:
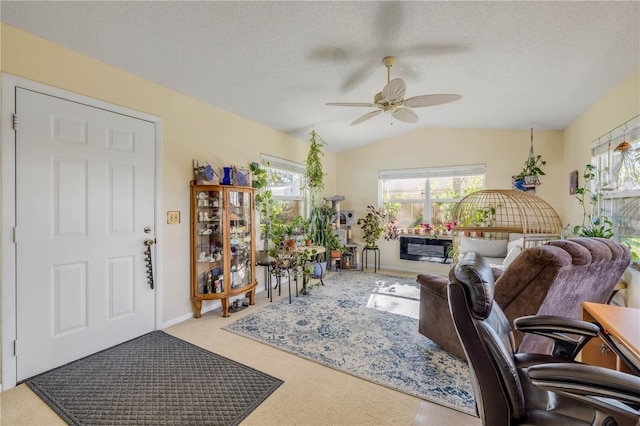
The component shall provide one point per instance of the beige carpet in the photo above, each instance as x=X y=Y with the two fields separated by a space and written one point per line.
x=311 y=394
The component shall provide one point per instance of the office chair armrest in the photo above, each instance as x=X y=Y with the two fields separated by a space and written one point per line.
x=569 y=334
x=580 y=380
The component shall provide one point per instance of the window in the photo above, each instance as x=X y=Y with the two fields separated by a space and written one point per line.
x=286 y=183
x=414 y=196
x=618 y=167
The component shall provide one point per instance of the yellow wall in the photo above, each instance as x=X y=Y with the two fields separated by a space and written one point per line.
x=190 y=129
x=618 y=106
x=193 y=129
x=502 y=151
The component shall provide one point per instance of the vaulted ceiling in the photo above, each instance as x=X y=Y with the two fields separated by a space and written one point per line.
x=278 y=63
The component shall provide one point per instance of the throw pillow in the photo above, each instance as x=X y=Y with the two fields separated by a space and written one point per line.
x=511 y=255
x=514 y=243
x=485 y=248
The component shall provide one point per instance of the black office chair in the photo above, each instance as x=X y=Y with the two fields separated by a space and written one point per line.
x=526 y=388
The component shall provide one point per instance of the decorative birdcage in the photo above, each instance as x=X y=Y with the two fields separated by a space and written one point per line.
x=502 y=213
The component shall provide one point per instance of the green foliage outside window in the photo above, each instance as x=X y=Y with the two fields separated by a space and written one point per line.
x=594 y=222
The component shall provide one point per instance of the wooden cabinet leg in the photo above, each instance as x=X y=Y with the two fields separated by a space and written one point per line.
x=197 y=307
x=252 y=296
x=225 y=307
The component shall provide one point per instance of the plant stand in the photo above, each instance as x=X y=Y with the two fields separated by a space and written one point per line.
x=376 y=258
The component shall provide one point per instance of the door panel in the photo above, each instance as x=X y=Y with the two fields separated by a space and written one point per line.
x=85 y=191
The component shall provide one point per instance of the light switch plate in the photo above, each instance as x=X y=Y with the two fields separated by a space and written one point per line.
x=173 y=217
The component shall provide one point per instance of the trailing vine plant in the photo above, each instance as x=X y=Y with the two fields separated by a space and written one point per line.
x=314 y=173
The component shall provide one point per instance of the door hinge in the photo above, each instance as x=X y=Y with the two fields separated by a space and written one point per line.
x=15 y=121
x=15 y=348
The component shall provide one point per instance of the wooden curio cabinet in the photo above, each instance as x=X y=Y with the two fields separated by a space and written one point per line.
x=222 y=244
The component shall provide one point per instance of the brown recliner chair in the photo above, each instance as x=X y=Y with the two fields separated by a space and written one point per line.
x=551 y=279
x=534 y=389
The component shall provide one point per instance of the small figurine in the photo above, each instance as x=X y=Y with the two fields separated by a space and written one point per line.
x=209 y=282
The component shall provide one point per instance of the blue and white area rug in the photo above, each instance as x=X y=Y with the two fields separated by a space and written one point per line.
x=336 y=326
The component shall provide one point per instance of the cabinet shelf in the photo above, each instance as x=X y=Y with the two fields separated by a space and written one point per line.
x=231 y=238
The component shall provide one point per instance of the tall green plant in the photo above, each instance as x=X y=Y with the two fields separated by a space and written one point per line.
x=320 y=226
x=314 y=172
x=263 y=198
x=594 y=222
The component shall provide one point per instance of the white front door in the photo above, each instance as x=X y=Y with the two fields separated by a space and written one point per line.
x=85 y=191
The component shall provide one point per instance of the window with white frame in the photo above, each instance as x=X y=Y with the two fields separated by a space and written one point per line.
x=427 y=195
x=616 y=157
x=286 y=184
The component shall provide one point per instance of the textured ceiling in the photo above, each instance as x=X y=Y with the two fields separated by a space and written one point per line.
x=278 y=63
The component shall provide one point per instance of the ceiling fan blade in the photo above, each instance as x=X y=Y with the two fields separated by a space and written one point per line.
x=430 y=100
x=394 y=90
x=366 y=117
x=353 y=104
x=405 y=114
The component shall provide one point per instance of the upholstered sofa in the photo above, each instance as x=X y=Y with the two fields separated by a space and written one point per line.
x=551 y=279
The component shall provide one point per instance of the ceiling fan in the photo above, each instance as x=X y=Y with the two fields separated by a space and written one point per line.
x=391 y=99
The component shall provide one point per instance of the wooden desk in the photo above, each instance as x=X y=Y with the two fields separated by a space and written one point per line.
x=621 y=323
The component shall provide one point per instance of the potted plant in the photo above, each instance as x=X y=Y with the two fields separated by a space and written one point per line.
x=314 y=172
x=320 y=228
x=372 y=225
x=486 y=216
x=392 y=230
x=594 y=223
x=300 y=226
x=531 y=170
x=264 y=204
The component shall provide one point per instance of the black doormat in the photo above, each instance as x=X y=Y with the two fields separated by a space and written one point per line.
x=156 y=379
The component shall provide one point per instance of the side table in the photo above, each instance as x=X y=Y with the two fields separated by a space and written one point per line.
x=267 y=274
x=376 y=258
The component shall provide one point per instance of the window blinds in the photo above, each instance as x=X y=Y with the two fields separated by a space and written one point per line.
x=432 y=172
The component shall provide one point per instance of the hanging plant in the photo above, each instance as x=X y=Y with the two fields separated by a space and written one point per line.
x=532 y=168
x=314 y=173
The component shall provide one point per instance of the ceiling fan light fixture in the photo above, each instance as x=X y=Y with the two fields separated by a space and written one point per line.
x=391 y=99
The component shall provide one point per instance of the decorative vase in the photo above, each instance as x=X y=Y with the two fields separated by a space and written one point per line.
x=226 y=180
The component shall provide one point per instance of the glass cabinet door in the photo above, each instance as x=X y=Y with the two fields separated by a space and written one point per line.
x=240 y=228
x=210 y=242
